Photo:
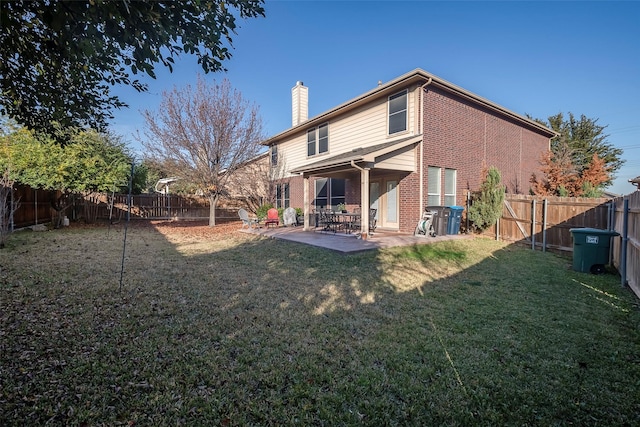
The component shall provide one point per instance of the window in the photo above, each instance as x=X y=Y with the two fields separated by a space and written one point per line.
x=274 y=155
x=282 y=195
x=337 y=192
x=433 y=184
x=436 y=190
x=311 y=142
x=329 y=193
x=398 y=112
x=323 y=138
x=449 y=187
x=318 y=140
x=321 y=193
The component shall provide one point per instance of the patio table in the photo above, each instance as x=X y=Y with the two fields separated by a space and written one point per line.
x=344 y=219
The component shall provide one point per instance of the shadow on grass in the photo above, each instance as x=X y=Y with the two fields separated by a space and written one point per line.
x=238 y=330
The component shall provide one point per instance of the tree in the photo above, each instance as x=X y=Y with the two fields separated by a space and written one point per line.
x=486 y=205
x=561 y=178
x=91 y=163
x=8 y=205
x=594 y=177
x=59 y=59
x=583 y=138
x=559 y=175
x=204 y=134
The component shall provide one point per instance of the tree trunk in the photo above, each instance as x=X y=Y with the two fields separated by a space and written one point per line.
x=213 y=201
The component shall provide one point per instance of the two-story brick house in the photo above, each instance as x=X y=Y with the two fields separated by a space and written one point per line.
x=415 y=141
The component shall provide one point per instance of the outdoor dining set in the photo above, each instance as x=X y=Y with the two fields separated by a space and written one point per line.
x=322 y=219
x=348 y=222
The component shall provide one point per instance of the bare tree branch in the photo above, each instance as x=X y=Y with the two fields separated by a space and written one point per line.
x=204 y=134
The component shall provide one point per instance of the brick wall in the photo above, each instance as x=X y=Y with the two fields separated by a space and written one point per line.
x=466 y=137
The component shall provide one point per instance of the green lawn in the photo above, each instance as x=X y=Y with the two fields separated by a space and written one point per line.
x=239 y=330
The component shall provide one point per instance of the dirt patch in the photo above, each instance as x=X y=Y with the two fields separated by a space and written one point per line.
x=177 y=229
x=195 y=229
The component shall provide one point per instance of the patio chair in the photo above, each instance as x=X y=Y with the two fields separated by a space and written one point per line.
x=328 y=221
x=244 y=216
x=289 y=217
x=272 y=218
x=372 y=221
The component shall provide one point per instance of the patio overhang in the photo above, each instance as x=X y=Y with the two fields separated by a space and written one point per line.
x=369 y=157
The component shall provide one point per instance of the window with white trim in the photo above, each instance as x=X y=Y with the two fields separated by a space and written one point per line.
x=274 y=155
x=450 y=187
x=398 y=112
x=436 y=191
x=329 y=193
x=318 y=140
x=282 y=195
x=433 y=186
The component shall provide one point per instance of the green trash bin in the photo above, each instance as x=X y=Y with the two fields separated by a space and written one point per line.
x=591 y=249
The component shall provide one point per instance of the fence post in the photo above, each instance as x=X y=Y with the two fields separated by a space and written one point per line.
x=544 y=225
x=533 y=224
x=468 y=206
x=625 y=239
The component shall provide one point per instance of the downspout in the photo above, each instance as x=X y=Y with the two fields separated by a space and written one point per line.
x=421 y=163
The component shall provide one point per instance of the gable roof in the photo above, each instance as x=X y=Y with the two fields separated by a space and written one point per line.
x=416 y=76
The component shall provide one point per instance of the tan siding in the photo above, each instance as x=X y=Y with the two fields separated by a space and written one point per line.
x=403 y=162
x=363 y=127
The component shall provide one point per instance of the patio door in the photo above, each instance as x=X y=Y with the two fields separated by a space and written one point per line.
x=374 y=197
x=386 y=202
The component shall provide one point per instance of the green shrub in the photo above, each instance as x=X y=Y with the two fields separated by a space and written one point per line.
x=261 y=213
x=486 y=203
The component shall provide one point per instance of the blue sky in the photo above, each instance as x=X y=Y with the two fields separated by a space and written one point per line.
x=537 y=58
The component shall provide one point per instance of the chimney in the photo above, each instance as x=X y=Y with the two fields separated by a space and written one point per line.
x=299 y=104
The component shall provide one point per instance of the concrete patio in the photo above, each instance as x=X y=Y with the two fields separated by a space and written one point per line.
x=348 y=243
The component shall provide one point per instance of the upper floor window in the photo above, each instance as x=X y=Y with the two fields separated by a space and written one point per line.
x=398 y=112
x=274 y=155
x=318 y=140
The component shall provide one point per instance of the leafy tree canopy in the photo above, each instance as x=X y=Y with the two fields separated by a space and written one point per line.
x=89 y=162
x=579 y=140
x=581 y=163
x=59 y=59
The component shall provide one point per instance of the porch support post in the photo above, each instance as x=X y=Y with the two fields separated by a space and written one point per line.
x=364 y=197
x=305 y=186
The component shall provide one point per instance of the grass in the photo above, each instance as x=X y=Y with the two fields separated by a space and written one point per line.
x=237 y=330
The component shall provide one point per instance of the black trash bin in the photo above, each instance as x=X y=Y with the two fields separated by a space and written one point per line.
x=440 y=219
x=454 y=219
x=591 y=249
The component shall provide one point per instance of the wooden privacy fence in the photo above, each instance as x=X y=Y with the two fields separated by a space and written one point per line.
x=34 y=206
x=626 y=247
x=160 y=206
x=545 y=223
